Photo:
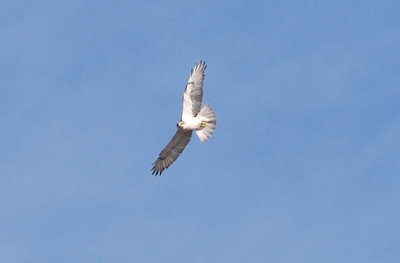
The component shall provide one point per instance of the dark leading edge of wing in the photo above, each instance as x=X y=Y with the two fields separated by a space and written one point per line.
x=171 y=152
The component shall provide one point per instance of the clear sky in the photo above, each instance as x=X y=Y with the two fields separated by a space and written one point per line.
x=304 y=165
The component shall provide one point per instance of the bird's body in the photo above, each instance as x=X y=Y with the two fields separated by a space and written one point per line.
x=194 y=118
x=191 y=124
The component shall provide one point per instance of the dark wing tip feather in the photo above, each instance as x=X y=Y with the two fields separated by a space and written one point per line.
x=162 y=163
x=156 y=170
x=198 y=66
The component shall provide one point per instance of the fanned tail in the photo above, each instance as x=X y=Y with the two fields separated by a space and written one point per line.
x=209 y=121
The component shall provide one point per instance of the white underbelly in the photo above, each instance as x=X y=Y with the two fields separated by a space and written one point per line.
x=192 y=123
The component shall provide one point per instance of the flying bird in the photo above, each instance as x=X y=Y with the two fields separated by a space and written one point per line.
x=194 y=118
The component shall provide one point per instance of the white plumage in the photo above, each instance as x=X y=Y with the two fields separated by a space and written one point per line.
x=201 y=120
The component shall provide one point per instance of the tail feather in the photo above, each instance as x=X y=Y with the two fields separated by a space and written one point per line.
x=207 y=116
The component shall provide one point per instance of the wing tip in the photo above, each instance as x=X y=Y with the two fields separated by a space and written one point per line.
x=155 y=170
x=201 y=66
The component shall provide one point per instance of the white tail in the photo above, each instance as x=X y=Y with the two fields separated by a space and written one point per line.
x=209 y=120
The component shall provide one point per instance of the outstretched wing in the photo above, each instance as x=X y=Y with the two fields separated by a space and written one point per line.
x=194 y=91
x=171 y=152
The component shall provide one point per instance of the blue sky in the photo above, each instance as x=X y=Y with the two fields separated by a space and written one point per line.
x=303 y=166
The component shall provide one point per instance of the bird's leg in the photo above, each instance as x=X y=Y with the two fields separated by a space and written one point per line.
x=203 y=124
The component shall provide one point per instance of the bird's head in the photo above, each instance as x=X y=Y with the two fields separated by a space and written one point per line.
x=180 y=124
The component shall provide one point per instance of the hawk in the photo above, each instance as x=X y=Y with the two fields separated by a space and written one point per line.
x=194 y=118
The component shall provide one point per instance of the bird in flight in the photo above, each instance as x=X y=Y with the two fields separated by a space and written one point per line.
x=194 y=118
